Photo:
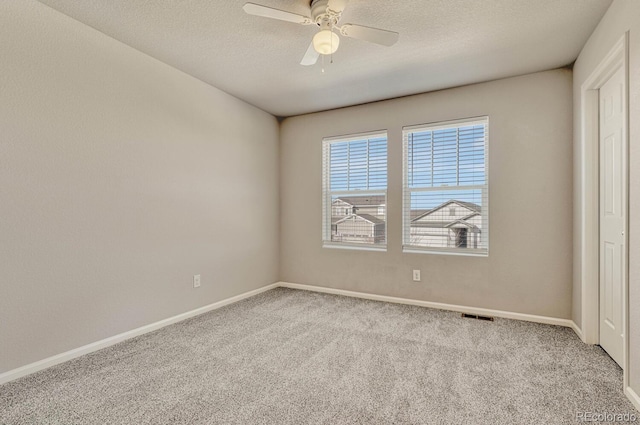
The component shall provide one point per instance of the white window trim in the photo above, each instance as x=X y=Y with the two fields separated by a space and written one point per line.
x=355 y=137
x=327 y=194
x=406 y=202
x=354 y=246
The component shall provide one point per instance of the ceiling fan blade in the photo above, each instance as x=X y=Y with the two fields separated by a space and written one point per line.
x=269 y=12
x=373 y=35
x=337 y=5
x=311 y=57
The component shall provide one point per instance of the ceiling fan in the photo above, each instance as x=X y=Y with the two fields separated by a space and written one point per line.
x=326 y=15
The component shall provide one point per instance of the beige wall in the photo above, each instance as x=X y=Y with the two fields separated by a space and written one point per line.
x=622 y=16
x=121 y=177
x=529 y=266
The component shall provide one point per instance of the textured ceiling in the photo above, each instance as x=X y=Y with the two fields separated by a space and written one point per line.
x=443 y=43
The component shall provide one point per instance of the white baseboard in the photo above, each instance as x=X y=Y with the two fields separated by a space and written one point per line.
x=440 y=306
x=633 y=397
x=95 y=346
x=578 y=331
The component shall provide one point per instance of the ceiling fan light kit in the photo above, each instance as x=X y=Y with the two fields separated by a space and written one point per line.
x=325 y=14
x=326 y=42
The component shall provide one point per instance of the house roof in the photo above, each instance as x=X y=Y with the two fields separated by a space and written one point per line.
x=368 y=217
x=416 y=213
x=433 y=224
x=361 y=201
x=446 y=224
x=371 y=218
x=470 y=205
x=463 y=222
x=470 y=216
x=475 y=208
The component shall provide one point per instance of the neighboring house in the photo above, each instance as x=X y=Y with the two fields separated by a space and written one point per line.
x=362 y=219
x=453 y=224
x=360 y=228
x=359 y=219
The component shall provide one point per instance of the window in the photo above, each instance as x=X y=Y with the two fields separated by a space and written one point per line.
x=445 y=187
x=354 y=182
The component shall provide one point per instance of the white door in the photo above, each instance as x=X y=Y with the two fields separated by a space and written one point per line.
x=613 y=208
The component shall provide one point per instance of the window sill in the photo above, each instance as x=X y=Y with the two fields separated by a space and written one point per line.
x=354 y=247
x=474 y=253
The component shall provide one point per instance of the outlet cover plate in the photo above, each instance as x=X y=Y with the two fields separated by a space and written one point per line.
x=416 y=275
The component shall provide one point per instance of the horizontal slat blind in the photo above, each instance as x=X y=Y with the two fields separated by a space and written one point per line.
x=445 y=194
x=354 y=190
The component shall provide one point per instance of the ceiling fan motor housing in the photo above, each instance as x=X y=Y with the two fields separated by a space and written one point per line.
x=324 y=17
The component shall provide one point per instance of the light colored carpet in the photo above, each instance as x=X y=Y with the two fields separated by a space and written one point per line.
x=296 y=357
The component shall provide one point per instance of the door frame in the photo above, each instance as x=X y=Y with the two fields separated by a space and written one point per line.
x=589 y=226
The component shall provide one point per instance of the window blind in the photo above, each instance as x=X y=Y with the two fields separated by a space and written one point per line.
x=445 y=187
x=354 y=191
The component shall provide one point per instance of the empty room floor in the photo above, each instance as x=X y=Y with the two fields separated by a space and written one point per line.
x=290 y=357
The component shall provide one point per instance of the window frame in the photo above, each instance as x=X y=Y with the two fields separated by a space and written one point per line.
x=327 y=193
x=407 y=247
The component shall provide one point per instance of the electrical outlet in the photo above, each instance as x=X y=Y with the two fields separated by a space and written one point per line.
x=196 y=281
x=416 y=275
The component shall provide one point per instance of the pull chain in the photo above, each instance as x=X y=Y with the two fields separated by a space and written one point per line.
x=331 y=29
